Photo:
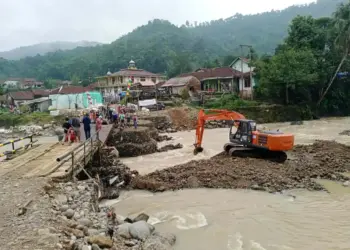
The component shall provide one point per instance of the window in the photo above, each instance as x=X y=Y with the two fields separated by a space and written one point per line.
x=154 y=79
x=247 y=83
x=142 y=79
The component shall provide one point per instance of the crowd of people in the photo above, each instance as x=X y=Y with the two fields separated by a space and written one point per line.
x=120 y=117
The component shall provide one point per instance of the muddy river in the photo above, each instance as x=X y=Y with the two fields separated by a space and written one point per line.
x=206 y=219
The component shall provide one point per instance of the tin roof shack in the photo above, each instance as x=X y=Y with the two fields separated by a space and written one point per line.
x=40 y=104
x=16 y=98
x=177 y=84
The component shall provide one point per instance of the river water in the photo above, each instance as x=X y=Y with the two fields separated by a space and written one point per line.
x=205 y=219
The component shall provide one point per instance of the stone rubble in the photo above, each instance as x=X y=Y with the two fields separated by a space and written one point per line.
x=80 y=227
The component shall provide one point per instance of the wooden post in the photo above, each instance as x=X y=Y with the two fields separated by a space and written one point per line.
x=73 y=162
x=91 y=149
x=84 y=154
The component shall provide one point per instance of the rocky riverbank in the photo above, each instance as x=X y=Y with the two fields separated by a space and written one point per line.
x=323 y=159
x=79 y=226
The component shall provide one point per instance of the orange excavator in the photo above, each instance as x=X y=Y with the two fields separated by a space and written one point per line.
x=245 y=140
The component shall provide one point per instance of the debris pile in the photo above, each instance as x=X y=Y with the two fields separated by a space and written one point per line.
x=323 y=159
x=80 y=226
x=110 y=173
x=132 y=142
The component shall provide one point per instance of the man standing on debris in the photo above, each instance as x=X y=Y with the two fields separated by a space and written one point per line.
x=111 y=222
x=87 y=127
x=66 y=126
x=134 y=118
x=76 y=127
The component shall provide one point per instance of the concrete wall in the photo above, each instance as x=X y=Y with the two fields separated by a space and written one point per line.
x=68 y=101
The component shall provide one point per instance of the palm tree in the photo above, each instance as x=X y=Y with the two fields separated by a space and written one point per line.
x=342 y=41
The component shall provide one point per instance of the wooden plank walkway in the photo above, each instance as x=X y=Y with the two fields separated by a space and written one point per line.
x=41 y=161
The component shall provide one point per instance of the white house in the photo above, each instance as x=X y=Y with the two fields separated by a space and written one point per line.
x=246 y=85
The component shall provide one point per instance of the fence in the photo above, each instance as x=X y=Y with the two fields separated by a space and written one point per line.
x=72 y=154
x=14 y=149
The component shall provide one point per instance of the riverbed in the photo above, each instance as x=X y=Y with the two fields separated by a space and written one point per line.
x=244 y=219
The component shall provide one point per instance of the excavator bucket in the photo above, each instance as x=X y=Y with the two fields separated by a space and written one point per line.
x=197 y=150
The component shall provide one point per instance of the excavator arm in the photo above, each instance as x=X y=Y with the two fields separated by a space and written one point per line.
x=212 y=114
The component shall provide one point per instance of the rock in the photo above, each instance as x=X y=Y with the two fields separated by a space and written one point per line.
x=64 y=208
x=123 y=230
x=168 y=238
x=130 y=243
x=61 y=199
x=140 y=230
x=346 y=183
x=43 y=231
x=75 y=232
x=159 y=241
x=69 y=213
x=141 y=217
x=92 y=232
x=85 y=247
x=101 y=241
x=85 y=222
x=81 y=188
x=95 y=247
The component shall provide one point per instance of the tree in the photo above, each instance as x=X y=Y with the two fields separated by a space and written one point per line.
x=289 y=76
x=342 y=41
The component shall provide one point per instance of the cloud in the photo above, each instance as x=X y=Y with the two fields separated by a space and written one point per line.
x=26 y=22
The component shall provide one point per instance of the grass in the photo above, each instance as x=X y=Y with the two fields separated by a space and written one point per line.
x=38 y=118
x=229 y=102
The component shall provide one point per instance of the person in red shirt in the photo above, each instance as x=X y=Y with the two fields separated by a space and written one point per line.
x=99 y=123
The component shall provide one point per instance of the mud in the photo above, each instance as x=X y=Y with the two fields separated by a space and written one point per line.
x=323 y=159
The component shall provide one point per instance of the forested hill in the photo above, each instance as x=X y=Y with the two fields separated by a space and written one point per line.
x=162 y=47
x=43 y=48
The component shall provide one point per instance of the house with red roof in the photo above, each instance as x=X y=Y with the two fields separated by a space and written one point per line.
x=230 y=79
x=113 y=83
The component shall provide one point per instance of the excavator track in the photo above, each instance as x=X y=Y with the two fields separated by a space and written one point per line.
x=245 y=152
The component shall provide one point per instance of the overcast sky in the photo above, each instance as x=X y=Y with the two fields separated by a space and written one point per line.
x=26 y=22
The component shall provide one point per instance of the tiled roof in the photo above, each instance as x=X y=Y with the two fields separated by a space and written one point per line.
x=22 y=95
x=41 y=92
x=134 y=72
x=181 y=81
x=64 y=90
x=222 y=72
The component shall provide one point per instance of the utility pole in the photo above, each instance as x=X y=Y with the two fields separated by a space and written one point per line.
x=250 y=67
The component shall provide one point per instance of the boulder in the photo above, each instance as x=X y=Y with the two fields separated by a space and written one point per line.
x=101 y=241
x=69 y=213
x=141 y=217
x=85 y=222
x=159 y=241
x=123 y=230
x=140 y=230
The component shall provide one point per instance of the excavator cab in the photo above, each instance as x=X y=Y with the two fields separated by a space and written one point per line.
x=244 y=132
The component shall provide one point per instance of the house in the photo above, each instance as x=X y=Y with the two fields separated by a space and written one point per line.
x=11 y=83
x=66 y=97
x=217 y=80
x=28 y=83
x=249 y=81
x=113 y=83
x=177 y=84
x=40 y=104
x=16 y=98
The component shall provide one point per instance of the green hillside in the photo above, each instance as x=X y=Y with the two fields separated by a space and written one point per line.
x=162 y=47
